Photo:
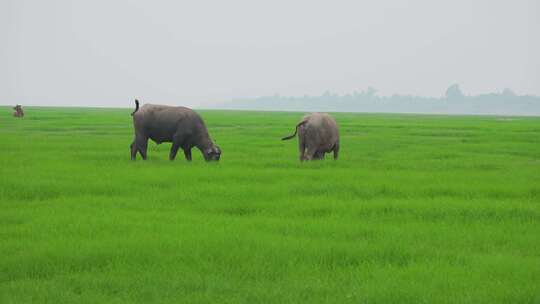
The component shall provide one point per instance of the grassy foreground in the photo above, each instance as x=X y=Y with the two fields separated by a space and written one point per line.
x=419 y=209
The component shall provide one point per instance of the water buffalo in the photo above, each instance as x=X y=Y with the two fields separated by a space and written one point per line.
x=317 y=134
x=179 y=125
x=18 y=111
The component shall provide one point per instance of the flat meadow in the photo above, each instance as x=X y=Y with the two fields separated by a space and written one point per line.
x=418 y=209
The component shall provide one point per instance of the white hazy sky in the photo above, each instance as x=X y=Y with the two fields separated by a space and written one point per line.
x=195 y=53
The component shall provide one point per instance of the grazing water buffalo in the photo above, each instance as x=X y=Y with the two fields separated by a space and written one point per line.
x=18 y=111
x=179 y=125
x=317 y=134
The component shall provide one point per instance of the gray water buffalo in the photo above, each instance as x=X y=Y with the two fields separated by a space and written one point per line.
x=317 y=134
x=179 y=125
x=18 y=111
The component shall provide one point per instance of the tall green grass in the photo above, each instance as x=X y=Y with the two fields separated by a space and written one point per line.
x=418 y=209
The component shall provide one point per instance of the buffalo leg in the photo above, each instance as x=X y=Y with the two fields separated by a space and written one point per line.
x=301 y=148
x=133 y=149
x=187 y=153
x=336 y=151
x=310 y=153
x=142 y=145
x=174 y=150
x=318 y=155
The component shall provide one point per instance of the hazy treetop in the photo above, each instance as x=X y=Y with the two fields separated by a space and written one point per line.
x=63 y=52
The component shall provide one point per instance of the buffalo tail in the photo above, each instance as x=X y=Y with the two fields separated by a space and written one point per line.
x=136 y=107
x=295 y=130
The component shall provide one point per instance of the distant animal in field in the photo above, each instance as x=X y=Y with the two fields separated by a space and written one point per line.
x=317 y=134
x=179 y=125
x=18 y=111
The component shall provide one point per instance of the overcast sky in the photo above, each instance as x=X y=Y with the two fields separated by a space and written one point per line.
x=197 y=53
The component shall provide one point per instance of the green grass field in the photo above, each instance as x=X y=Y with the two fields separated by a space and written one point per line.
x=418 y=209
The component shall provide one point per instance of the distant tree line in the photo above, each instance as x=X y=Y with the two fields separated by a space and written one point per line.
x=453 y=102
